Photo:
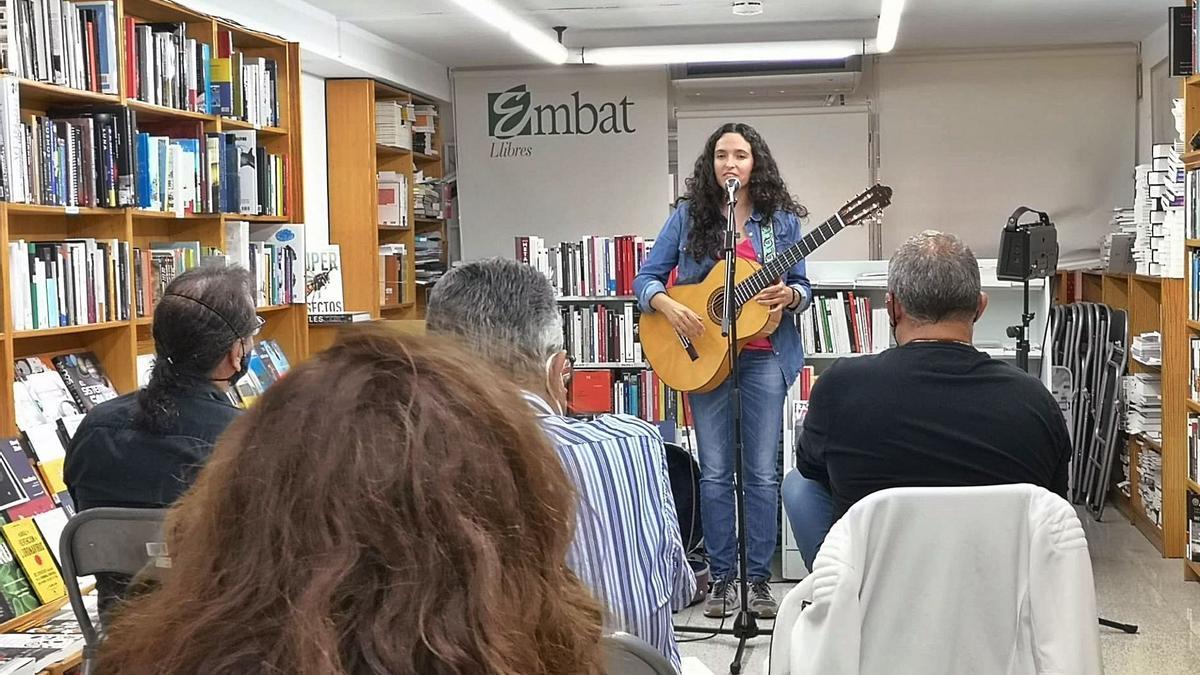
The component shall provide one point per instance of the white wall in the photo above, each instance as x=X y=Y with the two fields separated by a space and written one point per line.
x=822 y=154
x=965 y=139
x=1154 y=49
x=565 y=185
x=316 y=175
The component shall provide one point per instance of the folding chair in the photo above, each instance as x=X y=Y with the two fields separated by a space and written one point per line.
x=626 y=654
x=109 y=541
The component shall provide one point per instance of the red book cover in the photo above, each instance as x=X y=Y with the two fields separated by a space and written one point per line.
x=91 y=47
x=591 y=391
x=855 y=341
x=224 y=44
x=30 y=508
x=131 y=78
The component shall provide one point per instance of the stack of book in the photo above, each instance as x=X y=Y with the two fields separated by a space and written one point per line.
x=427 y=196
x=602 y=334
x=1150 y=484
x=71 y=282
x=1143 y=411
x=839 y=323
x=429 y=258
x=73 y=44
x=392 y=200
x=1147 y=349
x=275 y=257
x=393 y=273
x=1193 y=526
x=423 y=129
x=595 y=266
x=393 y=124
x=165 y=67
x=244 y=87
x=639 y=393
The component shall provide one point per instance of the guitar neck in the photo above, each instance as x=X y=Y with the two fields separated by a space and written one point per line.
x=778 y=267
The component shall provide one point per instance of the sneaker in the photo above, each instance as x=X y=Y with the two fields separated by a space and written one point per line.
x=762 y=603
x=722 y=601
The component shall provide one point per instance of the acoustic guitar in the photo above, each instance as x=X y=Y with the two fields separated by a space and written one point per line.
x=703 y=365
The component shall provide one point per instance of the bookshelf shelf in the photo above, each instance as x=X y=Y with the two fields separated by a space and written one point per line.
x=391 y=150
x=228 y=123
x=1194 y=568
x=387 y=228
x=597 y=299
x=152 y=112
x=1191 y=160
x=612 y=366
x=422 y=157
x=396 y=306
x=143 y=214
x=1194 y=406
x=271 y=309
x=256 y=219
x=18 y=210
x=1193 y=243
x=43 y=95
x=69 y=330
x=1146 y=279
x=1194 y=325
x=144 y=321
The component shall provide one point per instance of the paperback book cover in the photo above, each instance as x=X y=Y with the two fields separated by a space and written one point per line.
x=290 y=259
x=35 y=559
x=15 y=592
x=323 y=280
x=85 y=379
x=45 y=386
x=15 y=458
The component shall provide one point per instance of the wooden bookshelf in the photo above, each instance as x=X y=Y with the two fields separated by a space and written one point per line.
x=1154 y=304
x=117 y=344
x=355 y=157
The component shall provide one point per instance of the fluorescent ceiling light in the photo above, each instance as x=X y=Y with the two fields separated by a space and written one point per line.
x=813 y=50
x=520 y=31
x=889 y=25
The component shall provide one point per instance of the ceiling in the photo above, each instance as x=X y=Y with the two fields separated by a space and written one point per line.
x=444 y=32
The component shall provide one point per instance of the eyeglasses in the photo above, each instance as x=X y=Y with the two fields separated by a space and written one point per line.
x=259 y=322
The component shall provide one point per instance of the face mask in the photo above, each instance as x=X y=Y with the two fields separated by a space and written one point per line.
x=243 y=366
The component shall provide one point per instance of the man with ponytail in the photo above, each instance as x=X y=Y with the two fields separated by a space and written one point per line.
x=143 y=449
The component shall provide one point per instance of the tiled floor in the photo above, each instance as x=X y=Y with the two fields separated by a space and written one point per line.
x=1133 y=585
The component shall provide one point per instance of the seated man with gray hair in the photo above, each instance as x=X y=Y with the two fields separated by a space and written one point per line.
x=931 y=412
x=627 y=546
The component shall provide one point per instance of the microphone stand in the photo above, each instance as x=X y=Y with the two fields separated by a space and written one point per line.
x=745 y=626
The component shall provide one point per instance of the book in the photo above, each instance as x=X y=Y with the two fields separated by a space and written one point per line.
x=51 y=524
x=16 y=593
x=15 y=458
x=12 y=491
x=344 y=317
x=323 y=281
x=44 y=386
x=145 y=368
x=47 y=447
x=30 y=551
x=285 y=244
x=85 y=379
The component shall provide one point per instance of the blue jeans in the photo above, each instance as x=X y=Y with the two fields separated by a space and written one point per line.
x=763 y=394
x=809 y=508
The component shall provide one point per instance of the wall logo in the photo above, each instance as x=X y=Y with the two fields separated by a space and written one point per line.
x=512 y=114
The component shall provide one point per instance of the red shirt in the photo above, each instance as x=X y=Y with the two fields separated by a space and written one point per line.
x=745 y=251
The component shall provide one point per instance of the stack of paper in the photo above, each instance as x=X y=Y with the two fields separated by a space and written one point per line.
x=1147 y=349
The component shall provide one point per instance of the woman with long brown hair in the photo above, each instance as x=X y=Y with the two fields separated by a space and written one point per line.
x=389 y=507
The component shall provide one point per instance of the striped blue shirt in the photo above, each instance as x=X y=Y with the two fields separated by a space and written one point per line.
x=627 y=547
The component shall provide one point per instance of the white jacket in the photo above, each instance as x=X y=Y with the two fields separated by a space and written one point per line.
x=931 y=581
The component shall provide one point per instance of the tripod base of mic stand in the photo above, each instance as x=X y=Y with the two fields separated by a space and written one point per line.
x=745 y=627
x=1127 y=627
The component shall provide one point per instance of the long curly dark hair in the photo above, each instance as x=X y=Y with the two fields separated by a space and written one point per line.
x=707 y=196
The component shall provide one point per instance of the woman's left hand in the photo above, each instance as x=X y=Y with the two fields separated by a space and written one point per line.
x=776 y=297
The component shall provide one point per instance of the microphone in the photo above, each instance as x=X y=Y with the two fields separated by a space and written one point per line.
x=732 y=185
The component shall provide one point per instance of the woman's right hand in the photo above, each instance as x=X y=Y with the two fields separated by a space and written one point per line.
x=685 y=322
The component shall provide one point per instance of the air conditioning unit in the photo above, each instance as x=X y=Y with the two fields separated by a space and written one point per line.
x=840 y=76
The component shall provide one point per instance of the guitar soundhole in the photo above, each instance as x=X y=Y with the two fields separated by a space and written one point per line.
x=716 y=307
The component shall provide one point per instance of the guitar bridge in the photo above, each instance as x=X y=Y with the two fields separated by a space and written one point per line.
x=690 y=348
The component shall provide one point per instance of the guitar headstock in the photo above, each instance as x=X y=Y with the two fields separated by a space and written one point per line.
x=866 y=205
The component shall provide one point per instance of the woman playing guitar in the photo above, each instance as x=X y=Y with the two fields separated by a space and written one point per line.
x=768 y=220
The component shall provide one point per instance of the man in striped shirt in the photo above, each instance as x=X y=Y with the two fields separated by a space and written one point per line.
x=627 y=546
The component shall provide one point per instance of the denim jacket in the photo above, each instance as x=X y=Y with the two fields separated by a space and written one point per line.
x=668 y=252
